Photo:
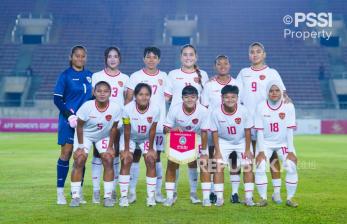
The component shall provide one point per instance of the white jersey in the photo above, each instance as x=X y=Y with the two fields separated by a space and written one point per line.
x=140 y=122
x=211 y=94
x=117 y=84
x=196 y=121
x=274 y=122
x=157 y=82
x=98 y=123
x=255 y=83
x=178 y=79
x=231 y=127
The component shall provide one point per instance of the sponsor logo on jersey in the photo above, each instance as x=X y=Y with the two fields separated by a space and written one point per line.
x=120 y=83
x=90 y=116
x=75 y=79
x=89 y=79
x=160 y=81
x=149 y=119
x=282 y=115
x=238 y=120
x=182 y=140
x=188 y=128
x=195 y=121
x=267 y=115
x=196 y=79
x=179 y=78
x=222 y=121
x=108 y=117
x=262 y=77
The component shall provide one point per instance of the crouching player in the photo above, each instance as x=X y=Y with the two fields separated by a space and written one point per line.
x=189 y=115
x=274 y=122
x=231 y=125
x=97 y=123
x=140 y=120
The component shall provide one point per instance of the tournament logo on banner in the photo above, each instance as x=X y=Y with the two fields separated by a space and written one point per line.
x=182 y=147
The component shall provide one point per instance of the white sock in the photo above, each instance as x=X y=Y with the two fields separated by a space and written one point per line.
x=193 y=179
x=261 y=180
x=219 y=190
x=96 y=173
x=206 y=190
x=134 y=173
x=108 y=187
x=75 y=189
x=116 y=171
x=124 y=185
x=159 y=172
x=176 y=181
x=291 y=179
x=60 y=190
x=235 y=183
x=249 y=188
x=151 y=184
x=276 y=183
x=170 y=188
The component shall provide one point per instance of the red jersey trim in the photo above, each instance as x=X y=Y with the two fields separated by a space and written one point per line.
x=156 y=73
x=224 y=84
x=226 y=113
x=188 y=113
x=140 y=111
x=110 y=74
x=96 y=105
x=187 y=72
x=259 y=69
x=292 y=126
x=267 y=102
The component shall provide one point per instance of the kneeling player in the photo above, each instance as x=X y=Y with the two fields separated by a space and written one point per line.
x=189 y=116
x=140 y=120
x=231 y=132
x=274 y=121
x=97 y=123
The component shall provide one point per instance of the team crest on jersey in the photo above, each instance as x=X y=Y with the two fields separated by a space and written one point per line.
x=195 y=121
x=160 y=81
x=182 y=140
x=196 y=79
x=262 y=77
x=89 y=79
x=120 y=83
x=282 y=115
x=188 y=128
x=108 y=117
x=149 y=119
x=238 y=120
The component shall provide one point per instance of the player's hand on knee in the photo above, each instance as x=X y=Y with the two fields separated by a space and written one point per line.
x=260 y=157
x=249 y=154
x=177 y=129
x=127 y=156
x=79 y=152
x=291 y=156
x=151 y=154
x=111 y=151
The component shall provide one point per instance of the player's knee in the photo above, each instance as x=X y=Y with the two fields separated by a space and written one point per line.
x=65 y=154
x=80 y=161
x=107 y=159
x=290 y=167
x=150 y=162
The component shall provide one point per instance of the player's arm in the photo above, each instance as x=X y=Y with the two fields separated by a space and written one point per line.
x=204 y=142
x=248 y=152
x=217 y=152
x=129 y=96
x=113 y=134
x=79 y=130
x=260 y=145
x=152 y=132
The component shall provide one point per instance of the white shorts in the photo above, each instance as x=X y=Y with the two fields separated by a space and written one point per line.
x=282 y=152
x=142 y=145
x=100 y=145
x=253 y=134
x=159 y=142
x=227 y=149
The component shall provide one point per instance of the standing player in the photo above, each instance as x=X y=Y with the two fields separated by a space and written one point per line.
x=155 y=78
x=96 y=124
x=274 y=122
x=255 y=79
x=188 y=116
x=117 y=80
x=140 y=118
x=188 y=75
x=72 y=89
x=211 y=98
x=231 y=131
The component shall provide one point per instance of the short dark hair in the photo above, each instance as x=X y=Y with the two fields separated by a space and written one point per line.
x=140 y=86
x=109 y=49
x=154 y=50
x=102 y=83
x=189 y=90
x=230 y=89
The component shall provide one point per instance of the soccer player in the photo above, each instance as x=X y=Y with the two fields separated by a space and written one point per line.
x=231 y=131
x=255 y=79
x=97 y=123
x=155 y=78
x=188 y=74
x=117 y=81
x=72 y=89
x=189 y=116
x=274 y=122
x=211 y=98
x=140 y=118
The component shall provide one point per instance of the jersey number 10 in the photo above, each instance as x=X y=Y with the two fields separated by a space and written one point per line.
x=231 y=130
